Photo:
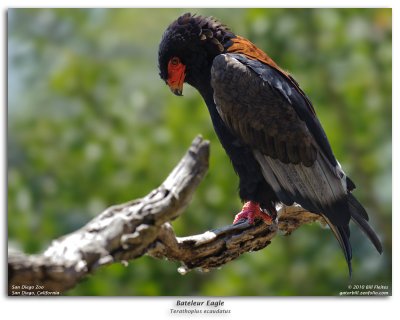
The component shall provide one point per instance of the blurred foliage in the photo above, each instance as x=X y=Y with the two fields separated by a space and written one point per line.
x=90 y=124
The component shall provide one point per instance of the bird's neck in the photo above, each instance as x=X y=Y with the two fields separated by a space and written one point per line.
x=207 y=92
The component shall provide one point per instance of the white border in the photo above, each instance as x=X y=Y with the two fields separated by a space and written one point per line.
x=202 y=4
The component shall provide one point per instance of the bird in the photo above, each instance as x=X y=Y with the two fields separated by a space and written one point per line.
x=266 y=124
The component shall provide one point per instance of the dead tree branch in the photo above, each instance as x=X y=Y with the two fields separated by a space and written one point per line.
x=130 y=230
x=215 y=248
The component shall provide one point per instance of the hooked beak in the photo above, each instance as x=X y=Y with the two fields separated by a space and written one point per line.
x=176 y=90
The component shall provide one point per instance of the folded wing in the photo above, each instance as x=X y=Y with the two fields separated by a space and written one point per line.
x=268 y=112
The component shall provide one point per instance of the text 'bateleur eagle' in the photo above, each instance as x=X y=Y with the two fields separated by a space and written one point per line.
x=266 y=124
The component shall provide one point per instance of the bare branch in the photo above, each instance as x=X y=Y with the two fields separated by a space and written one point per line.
x=127 y=231
x=120 y=233
x=215 y=248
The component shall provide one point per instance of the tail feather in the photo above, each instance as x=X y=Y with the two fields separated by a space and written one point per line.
x=342 y=231
x=356 y=207
x=342 y=234
x=365 y=227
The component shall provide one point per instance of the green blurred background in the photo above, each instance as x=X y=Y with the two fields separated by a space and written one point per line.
x=90 y=124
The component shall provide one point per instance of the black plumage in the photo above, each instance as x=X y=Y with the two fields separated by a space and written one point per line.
x=265 y=122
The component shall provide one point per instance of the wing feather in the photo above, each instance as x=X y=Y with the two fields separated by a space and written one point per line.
x=266 y=110
x=287 y=151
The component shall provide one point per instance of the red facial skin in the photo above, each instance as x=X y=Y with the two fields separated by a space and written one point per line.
x=176 y=75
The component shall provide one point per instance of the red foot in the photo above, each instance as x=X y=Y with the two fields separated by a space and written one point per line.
x=250 y=212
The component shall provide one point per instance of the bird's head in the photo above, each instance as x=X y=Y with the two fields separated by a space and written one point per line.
x=188 y=48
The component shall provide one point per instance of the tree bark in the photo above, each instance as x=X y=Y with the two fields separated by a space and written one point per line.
x=128 y=231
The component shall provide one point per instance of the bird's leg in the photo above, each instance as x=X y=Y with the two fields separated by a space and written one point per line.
x=252 y=211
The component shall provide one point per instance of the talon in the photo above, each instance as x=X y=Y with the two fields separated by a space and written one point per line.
x=252 y=211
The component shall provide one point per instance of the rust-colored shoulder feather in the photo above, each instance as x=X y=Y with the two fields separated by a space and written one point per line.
x=246 y=47
x=249 y=49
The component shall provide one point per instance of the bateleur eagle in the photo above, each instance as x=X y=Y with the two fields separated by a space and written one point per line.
x=265 y=123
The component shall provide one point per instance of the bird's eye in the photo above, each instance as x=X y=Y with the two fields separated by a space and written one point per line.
x=175 y=61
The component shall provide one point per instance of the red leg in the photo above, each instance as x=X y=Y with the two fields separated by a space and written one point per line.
x=250 y=212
